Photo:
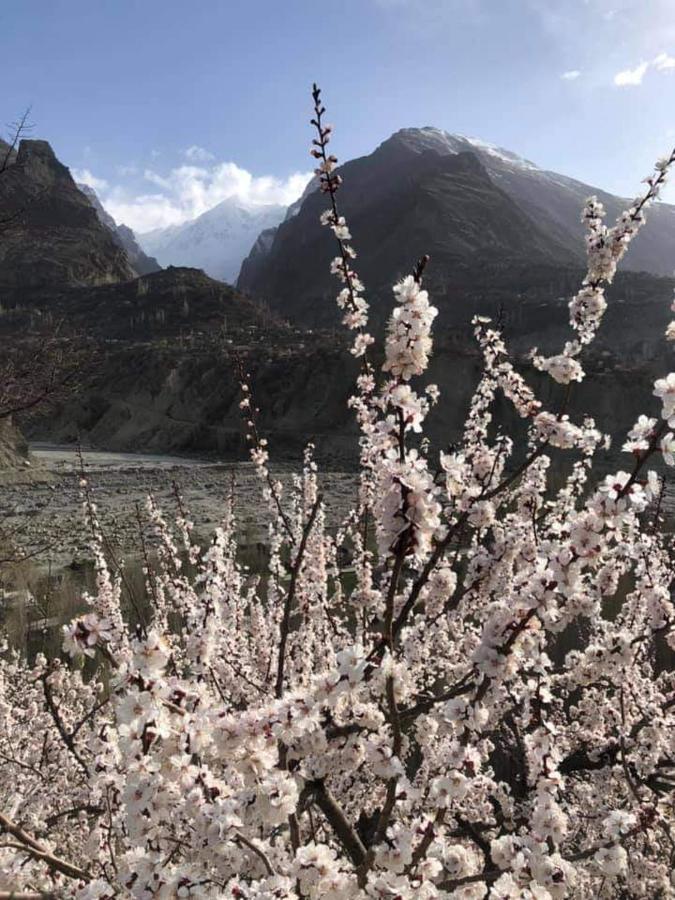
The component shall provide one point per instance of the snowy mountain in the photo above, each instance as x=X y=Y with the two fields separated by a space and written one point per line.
x=217 y=241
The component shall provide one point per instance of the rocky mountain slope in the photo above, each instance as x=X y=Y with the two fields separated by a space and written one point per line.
x=553 y=200
x=167 y=305
x=160 y=369
x=489 y=219
x=155 y=355
x=217 y=241
x=123 y=235
x=56 y=238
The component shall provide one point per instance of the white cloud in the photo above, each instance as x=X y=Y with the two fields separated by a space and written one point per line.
x=188 y=191
x=198 y=154
x=572 y=75
x=631 y=77
x=84 y=176
x=144 y=212
x=157 y=180
x=663 y=62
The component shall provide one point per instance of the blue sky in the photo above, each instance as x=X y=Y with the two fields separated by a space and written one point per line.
x=169 y=107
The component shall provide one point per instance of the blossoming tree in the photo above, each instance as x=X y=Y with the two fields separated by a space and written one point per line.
x=416 y=731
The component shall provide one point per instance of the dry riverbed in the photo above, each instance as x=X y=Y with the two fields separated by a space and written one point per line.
x=43 y=513
x=42 y=525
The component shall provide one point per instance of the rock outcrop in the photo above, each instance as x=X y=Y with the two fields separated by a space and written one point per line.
x=54 y=238
x=16 y=463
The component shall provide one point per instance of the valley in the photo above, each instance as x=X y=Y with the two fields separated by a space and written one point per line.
x=156 y=352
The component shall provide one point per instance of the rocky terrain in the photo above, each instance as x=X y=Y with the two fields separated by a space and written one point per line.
x=56 y=238
x=160 y=368
x=15 y=460
x=44 y=510
x=161 y=351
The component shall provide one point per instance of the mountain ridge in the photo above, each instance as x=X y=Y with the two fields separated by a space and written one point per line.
x=416 y=193
x=400 y=207
x=552 y=201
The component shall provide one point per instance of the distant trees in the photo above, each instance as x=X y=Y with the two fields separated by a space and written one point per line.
x=412 y=727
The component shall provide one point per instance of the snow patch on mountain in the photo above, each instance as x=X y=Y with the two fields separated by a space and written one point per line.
x=429 y=138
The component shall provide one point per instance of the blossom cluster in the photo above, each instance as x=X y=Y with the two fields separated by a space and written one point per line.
x=605 y=249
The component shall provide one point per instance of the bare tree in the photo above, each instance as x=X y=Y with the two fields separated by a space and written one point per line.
x=43 y=372
x=17 y=131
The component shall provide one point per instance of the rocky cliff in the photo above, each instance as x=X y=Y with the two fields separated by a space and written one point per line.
x=55 y=238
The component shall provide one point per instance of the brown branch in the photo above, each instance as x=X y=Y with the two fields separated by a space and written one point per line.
x=258 y=852
x=336 y=818
x=420 y=852
x=37 y=851
x=66 y=735
x=290 y=596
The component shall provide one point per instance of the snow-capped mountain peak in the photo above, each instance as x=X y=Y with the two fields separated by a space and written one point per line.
x=216 y=241
x=429 y=138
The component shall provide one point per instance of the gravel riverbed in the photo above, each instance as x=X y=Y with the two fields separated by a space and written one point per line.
x=43 y=513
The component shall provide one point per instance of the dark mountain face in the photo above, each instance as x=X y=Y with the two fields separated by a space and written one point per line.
x=488 y=218
x=555 y=201
x=55 y=237
x=400 y=205
x=123 y=236
x=172 y=304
